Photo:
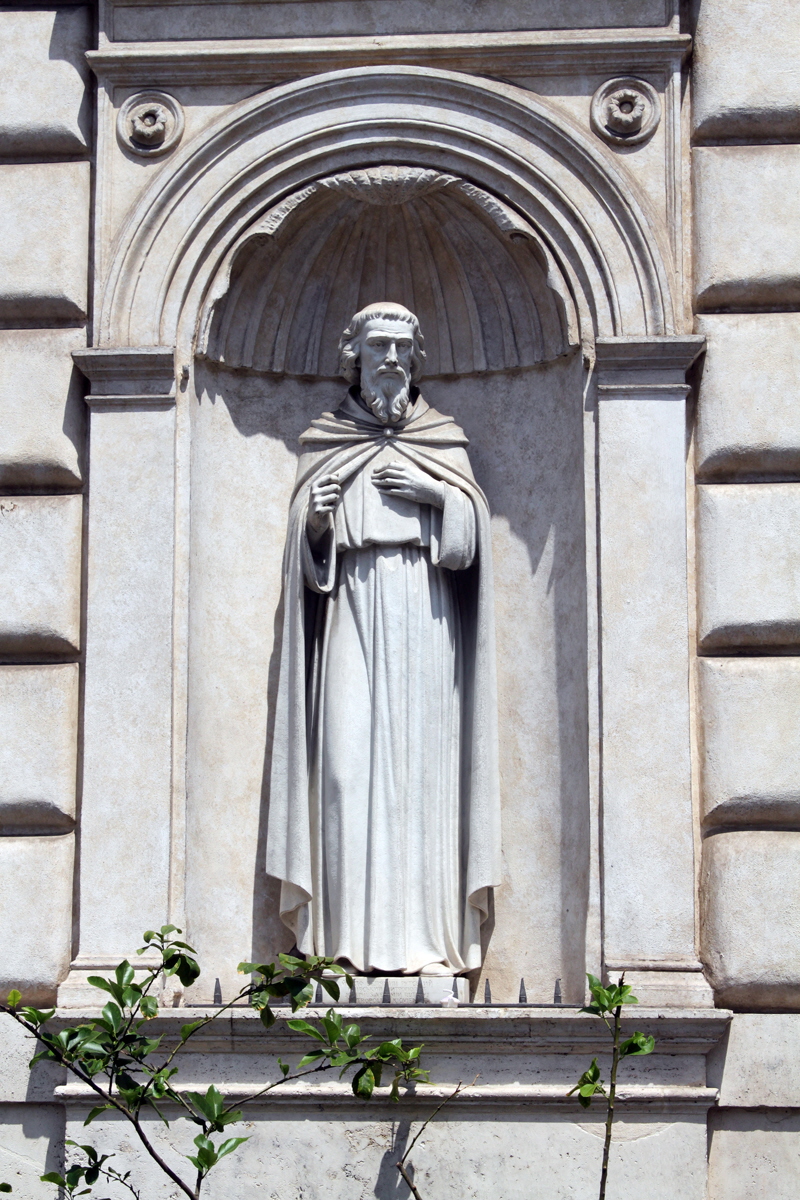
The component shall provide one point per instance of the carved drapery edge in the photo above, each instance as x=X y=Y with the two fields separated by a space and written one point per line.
x=129 y=377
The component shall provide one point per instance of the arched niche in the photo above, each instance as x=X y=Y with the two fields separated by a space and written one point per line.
x=585 y=209
x=542 y=242
x=483 y=286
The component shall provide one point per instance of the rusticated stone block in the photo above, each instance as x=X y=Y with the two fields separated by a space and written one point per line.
x=751 y=740
x=748 y=418
x=44 y=108
x=753 y=1155
x=751 y=918
x=747 y=253
x=748 y=565
x=41 y=407
x=38 y=751
x=40 y=547
x=746 y=69
x=759 y=1061
x=35 y=914
x=44 y=240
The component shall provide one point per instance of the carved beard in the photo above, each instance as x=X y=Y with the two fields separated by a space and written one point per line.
x=386 y=393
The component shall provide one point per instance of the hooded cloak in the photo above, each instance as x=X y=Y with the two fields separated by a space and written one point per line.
x=455 y=549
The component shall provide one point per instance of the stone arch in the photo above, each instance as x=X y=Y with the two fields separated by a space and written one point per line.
x=483 y=286
x=582 y=213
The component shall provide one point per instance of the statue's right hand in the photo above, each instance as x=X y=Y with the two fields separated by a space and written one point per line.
x=324 y=496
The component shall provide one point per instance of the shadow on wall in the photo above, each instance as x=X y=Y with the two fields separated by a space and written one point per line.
x=526 y=434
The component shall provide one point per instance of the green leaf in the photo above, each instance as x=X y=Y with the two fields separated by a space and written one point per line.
x=149 y=1007
x=53 y=1177
x=188 y=1030
x=98 y=982
x=300 y=993
x=113 y=1016
x=363 y=1083
x=300 y=1026
x=309 y=1058
x=267 y=1017
x=332 y=1024
x=284 y=1067
x=6 y=1187
x=331 y=987
x=230 y=1145
x=95 y=1112
x=124 y=973
x=637 y=1043
x=14 y=998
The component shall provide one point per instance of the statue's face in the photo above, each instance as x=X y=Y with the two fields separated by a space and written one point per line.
x=385 y=348
x=385 y=353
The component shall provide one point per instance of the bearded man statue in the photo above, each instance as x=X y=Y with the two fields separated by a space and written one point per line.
x=384 y=820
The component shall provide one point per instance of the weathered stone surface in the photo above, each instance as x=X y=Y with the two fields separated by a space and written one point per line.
x=751 y=925
x=44 y=240
x=173 y=21
x=746 y=251
x=35 y=914
x=31 y=1140
x=746 y=69
x=748 y=418
x=753 y=1155
x=40 y=544
x=44 y=108
x=38 y=751
x=41 y=408
x=748 y=565
x=654 y=1157
x=758 y=1062
x=751 y=745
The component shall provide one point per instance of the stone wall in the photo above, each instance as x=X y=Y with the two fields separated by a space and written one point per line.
x=644 y=527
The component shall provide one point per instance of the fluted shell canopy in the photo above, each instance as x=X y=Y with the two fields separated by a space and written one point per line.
x=472 y=270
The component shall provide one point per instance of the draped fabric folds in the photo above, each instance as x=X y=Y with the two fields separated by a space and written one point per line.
x=384 y=823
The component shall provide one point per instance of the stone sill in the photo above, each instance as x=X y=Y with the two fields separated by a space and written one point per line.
x=651 y=1098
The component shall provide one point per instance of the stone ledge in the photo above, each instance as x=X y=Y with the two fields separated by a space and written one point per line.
x=474 y=1029
x=274 y=60
x=632 y=1097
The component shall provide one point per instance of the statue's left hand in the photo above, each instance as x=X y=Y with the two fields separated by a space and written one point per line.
x=405 y=480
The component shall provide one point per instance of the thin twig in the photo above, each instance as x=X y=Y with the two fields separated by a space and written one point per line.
x=401 y=1165
x=612 y=1091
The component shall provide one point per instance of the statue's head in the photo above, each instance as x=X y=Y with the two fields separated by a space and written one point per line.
x=381 y=352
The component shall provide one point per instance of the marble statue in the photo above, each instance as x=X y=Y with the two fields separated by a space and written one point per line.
x=384 y=823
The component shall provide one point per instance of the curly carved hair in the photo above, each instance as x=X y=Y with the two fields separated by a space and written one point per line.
x=348 y=342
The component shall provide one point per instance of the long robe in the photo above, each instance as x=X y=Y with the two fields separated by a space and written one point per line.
x=384 y=800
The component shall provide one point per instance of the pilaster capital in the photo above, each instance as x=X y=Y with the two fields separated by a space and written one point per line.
x=128 y=377
x=645 y=367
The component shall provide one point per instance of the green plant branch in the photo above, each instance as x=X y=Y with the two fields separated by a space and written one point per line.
x=116 y=1046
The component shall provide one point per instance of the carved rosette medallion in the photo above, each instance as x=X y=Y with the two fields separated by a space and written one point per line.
x=625 y=111
x=150 y=124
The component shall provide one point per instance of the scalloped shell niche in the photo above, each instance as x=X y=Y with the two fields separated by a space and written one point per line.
x=481 y=282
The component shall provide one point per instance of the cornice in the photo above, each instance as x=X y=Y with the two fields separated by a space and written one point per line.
x=265 y=62
x=471 y=1029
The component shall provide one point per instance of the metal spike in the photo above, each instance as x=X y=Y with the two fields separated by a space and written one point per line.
x=217 y=992
x=487 y=993
x=557 y=991
x=420 y=996
x=387 y=995
x=318 y=994
x=351 y=999
x=523 y=995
